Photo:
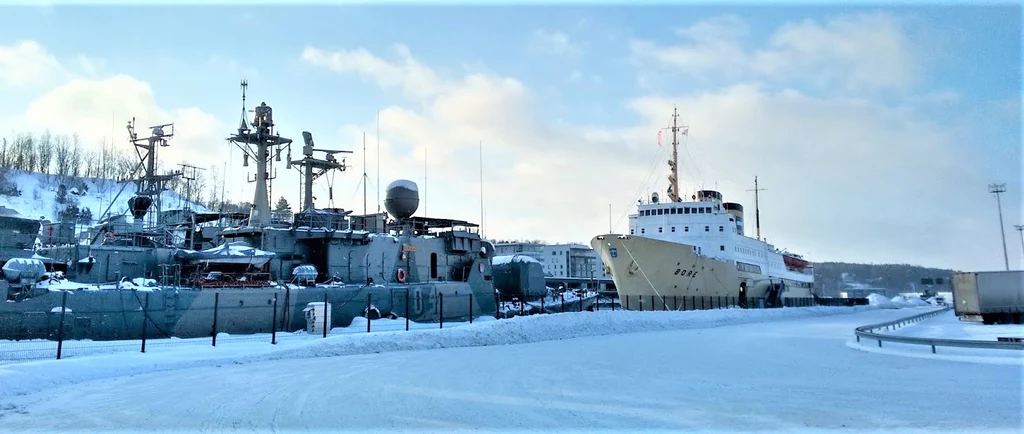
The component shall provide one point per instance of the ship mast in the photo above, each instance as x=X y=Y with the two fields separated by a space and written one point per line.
x=673 y=164
x=757 y=208
x=256 y=142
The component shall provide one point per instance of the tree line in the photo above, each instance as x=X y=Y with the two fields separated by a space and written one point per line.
x=66 y=158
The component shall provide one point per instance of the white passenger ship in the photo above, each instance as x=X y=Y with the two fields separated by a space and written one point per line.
x=679 y=249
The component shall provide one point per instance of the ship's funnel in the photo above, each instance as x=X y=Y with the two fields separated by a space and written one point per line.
x=737 y=211
x=403 y=198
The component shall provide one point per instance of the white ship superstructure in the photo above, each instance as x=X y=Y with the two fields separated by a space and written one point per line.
x=697 y=248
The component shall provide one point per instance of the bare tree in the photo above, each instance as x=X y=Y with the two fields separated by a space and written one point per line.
x=76 y=155
x=44 y=148
x=62 y=154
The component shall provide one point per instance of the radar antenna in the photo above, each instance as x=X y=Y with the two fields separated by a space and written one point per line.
x=312 y=168
x=149 y=185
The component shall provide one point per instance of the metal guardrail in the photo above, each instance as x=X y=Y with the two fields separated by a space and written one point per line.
x=868 y=332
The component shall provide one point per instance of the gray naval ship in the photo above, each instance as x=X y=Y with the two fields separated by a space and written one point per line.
x=182 y=273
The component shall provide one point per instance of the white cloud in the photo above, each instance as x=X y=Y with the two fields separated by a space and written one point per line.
x=553 y=43
x=27 y=63
x=869 y=50
x=847 y=178
x=407 y=73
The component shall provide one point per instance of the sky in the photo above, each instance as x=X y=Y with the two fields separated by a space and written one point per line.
x=874 y=130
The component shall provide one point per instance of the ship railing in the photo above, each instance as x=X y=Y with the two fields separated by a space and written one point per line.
x=875 y=332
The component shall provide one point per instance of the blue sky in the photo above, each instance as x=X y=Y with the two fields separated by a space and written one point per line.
x=567 y=101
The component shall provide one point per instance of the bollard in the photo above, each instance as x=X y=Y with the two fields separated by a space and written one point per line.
x=145 y=321
x=368 y=302
x=858 y=338
x=933 y=348
x=879 y=343
x=440 y=315
x=216 y=306
x=471 y=307
x=325 y=314
x=273 y=324
x=407 y=309
x=60 y=324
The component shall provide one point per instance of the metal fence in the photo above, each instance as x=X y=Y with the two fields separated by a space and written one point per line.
x=869 y=332
x=142 y=324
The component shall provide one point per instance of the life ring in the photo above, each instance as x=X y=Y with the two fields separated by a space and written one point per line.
x=401 y=275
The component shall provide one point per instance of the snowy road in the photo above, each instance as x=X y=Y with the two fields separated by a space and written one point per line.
x=784 y=375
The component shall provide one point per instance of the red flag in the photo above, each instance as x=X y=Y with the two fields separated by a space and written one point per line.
x=659 y=137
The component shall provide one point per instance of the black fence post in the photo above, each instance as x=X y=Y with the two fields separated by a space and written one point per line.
x=563 y=302
x=368 y=302
x=542 y=304
x=471 y=308
x=273 y=324
x=579 y=299
x=614 y=302
x=440 y=313
x=216 y=305
x=675 y=302
x=627 y=302
x=60 y=324
x=702 y=302
x=325 y=313
x=406 y=309
x=145 y=321
x=522 y=307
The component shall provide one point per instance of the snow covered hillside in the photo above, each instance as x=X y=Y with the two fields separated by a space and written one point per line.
x=38 y=193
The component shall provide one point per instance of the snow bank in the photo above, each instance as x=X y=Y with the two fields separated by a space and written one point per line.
x=29 y=377
x=881 y=302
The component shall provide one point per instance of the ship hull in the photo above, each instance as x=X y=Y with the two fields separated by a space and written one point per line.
x=652 y=274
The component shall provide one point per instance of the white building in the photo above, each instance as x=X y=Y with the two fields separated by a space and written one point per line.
x=575 y=261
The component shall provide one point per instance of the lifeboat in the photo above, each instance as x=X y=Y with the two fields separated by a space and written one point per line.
x=794 y=262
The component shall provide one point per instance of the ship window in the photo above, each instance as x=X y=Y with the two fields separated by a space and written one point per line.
x=707 y=228
x=673 y=228
x=686 y=229
x=686 y=210
x=433 y=265
x=701 y=210
x=721 y=228
x=643 y=230
x=659 y=229
x=722 y=248
x=631 y=231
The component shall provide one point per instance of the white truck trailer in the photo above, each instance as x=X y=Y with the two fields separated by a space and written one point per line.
x=990 y=296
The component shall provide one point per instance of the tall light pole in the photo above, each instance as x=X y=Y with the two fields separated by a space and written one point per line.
x=998 y=189
x=1020 y=230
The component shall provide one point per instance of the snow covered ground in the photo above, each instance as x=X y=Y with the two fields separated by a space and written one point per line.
x=948 y=326
x=783 y=370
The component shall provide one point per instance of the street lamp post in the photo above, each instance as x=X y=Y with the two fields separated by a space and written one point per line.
x=998 y=189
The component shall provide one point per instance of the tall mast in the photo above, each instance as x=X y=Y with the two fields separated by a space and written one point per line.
x=365 y=178
x=481 y=188
x=757 y=208
x=673 y=164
